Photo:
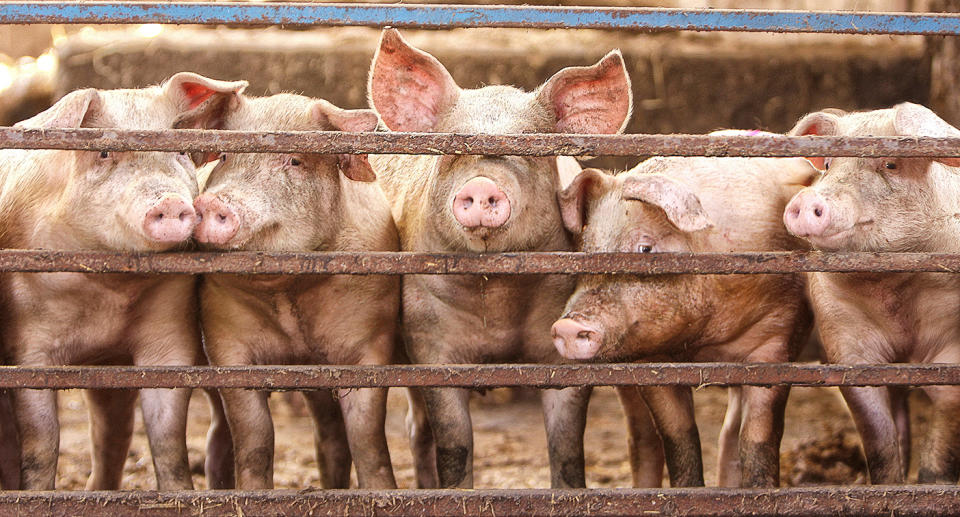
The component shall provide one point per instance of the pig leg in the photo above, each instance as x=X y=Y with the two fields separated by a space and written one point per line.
x=111 y=428
x=365 y=412
x=448 y=410
x=39 y=429
x=901 y=414
x=672 y=410
x=728 y=457
x=165 y=420
x=252 y=430
x=760 y=433
x=872 y=415
x=565 y=417
x=218 y=465
x=643 y=442
x=421 y=441
x=940 y=459
x=9 y=444
x=330 y=438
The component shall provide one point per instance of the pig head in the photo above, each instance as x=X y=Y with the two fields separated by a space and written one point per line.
x=878 y=204
x=484 y=203
x=122 y=200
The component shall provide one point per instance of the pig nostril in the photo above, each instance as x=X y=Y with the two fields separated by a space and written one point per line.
x=222 y=218
x=492 y=201
x=182 y=216
x=818 y=211
x=584 y=334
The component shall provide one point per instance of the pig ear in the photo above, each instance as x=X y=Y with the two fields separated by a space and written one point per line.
x=567 y=169
x=67 y=113
x=353 y=166
x=681 y=204
x=590 y=99
x=916 y=120
x=821 y=123
x=409 y=88
x=576 y=197
x=203 y=103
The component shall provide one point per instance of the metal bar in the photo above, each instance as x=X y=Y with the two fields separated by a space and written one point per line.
x=923 y=500
x=400 y=263
x=447 y=16
x=478 y=376
x=334 y=142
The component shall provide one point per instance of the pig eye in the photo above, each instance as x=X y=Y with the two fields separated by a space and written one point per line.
x=890 y=165
x=223 y=158
x=644 y=248
x=183 y=153
x=295 y=162
x=104 y=155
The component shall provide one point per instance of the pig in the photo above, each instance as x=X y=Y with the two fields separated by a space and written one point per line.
x=670 y=205
x=299 y=202
x=486 y=204
x=887 y=205
x=110 y=201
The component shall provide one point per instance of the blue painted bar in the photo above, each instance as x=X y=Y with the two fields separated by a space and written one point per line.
x=449 y=16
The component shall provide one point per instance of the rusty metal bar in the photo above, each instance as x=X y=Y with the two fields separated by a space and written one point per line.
x=449 y=16
x=884 y=501
x=399 y=263
x=333 y=142
x=478 y=376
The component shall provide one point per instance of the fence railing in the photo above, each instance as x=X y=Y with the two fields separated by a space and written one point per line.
x=877 y=500
x=920 y=501
x=450 y=143
x=451 y=16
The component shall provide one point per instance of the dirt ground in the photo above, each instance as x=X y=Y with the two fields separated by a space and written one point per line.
x=819 y=445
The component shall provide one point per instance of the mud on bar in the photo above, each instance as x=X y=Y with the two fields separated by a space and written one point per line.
x=540 y=144
x=477 y=376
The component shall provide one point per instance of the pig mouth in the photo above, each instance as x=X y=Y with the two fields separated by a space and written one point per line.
x=839 y=238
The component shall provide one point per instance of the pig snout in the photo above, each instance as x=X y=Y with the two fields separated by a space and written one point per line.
x=171 y=220
x=575 y=340
x=480 y=202
x=807 y=215
x=218 y=222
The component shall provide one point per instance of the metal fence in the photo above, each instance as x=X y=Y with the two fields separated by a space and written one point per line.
x=877 y=500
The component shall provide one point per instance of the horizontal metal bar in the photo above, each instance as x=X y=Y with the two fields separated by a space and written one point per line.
x=333 y=142
x=923 y=500
x=399 y=263
x=477 y=376
x=449 y=16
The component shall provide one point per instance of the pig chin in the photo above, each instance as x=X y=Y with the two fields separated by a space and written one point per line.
x=481 y=239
